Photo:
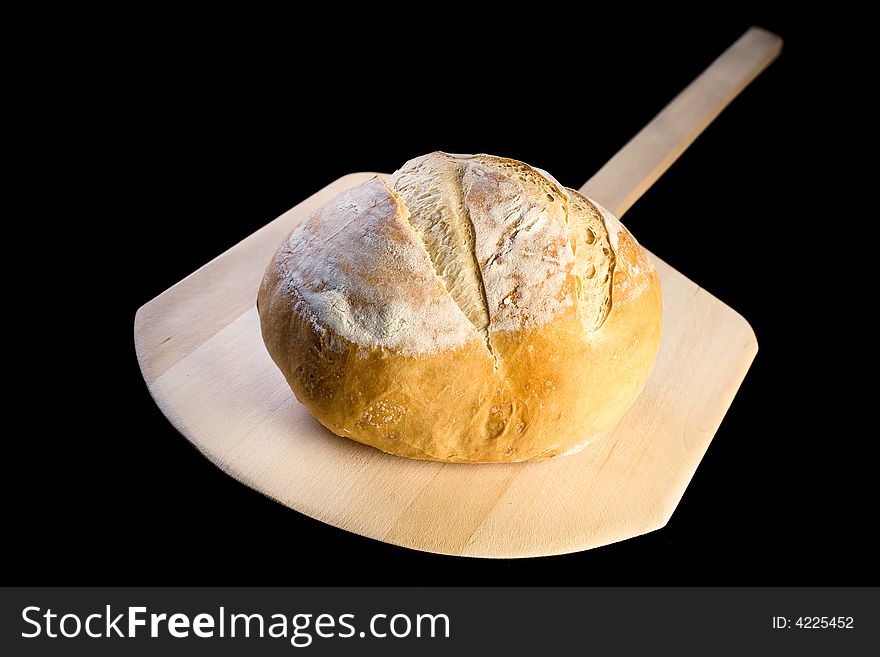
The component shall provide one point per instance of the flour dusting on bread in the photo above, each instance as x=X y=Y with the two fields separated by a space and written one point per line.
x=452 y=248
x=522 y=245
x=357 y=264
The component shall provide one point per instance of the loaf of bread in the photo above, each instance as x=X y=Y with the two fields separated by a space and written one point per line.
x=466 y=308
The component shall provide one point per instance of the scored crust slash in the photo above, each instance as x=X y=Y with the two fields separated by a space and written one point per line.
x=466 y=308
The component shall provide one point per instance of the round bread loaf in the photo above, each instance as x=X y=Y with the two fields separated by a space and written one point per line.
x=466 y=308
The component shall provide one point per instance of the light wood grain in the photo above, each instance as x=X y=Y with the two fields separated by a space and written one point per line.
x=228 y=398
x=200 y=351
x=637 y=166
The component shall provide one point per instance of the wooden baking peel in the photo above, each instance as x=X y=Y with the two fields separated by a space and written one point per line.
x=201 y=355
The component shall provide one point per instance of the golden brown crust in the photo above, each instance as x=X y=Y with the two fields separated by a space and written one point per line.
x=542 y=391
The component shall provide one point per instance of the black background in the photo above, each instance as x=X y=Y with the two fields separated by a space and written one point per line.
x=203 y=134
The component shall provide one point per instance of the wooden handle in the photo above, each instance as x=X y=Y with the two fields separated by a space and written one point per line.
x=636 y=166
